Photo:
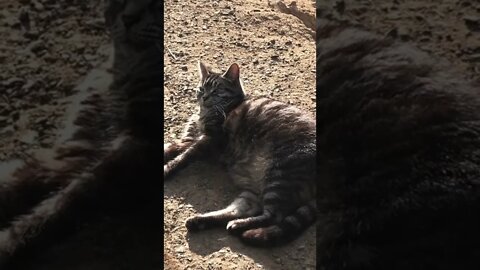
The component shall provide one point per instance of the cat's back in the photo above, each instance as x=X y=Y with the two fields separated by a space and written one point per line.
x=268 y=120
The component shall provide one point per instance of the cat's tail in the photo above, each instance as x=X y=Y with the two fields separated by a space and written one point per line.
x=284 y=231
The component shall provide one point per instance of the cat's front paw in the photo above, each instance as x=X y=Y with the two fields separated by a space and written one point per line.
x=196 y=223
x=237 y=226
x=170 y=151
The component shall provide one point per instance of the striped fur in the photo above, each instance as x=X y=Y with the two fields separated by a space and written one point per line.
x=399 y=155
x=107 y=152
x=268 y=148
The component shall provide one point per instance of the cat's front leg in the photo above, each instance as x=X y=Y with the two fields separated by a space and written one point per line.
x=245 y=205
x=191 y=133
x=198 y=148
x=172 y=150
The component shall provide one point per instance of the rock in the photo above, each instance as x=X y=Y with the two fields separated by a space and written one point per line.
x=180 y=250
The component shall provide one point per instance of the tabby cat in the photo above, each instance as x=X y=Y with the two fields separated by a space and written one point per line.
x=269 y=150
x=398 y=155
x=107 y=161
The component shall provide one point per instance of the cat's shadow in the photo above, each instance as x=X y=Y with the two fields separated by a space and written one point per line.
x=206 y=187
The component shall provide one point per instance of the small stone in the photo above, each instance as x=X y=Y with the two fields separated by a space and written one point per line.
x=180 y=250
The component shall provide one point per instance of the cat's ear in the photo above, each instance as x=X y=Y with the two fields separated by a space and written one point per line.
x=233 y=73
x=202 y=70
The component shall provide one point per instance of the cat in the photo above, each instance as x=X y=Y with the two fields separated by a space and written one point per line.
x=268 y=149
x=398 y=155
x=109 y=161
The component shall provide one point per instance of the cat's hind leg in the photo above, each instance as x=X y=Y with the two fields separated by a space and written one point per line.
x=245 y=205
x=284 y=231
x=285 y=215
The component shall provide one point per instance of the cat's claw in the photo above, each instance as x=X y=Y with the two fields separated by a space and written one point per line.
x=235 y=227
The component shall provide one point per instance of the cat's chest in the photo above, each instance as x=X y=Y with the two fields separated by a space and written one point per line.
x=247 y=165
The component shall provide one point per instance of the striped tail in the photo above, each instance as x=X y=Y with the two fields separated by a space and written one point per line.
x=284 y=231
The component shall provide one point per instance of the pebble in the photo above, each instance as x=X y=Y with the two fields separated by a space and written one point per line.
x=180 y=250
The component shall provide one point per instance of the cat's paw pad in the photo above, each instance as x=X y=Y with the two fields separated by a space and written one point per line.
x=195 y=224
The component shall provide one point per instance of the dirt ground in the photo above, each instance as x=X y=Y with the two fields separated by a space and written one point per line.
x=449 y=29
x=46 y=48
x=276 y=54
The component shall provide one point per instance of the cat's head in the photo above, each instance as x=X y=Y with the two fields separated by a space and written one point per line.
x=136 y=22
x=217 y=95
x=135 y=27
